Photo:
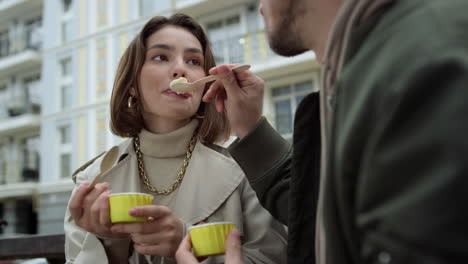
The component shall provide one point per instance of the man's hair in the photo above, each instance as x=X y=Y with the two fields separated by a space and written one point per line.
x=128 y=121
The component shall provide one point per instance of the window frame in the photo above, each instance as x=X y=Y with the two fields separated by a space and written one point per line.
x=292 y=81
x=240 y=11
x=66 y=19
x=65 y=81
x=64 y=149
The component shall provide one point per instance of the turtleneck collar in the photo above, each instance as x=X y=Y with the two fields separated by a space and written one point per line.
x=167 y=145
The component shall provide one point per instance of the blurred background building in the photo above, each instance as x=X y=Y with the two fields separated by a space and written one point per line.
x=57 y=64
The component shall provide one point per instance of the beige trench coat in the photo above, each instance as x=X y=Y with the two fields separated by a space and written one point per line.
x=214 y=189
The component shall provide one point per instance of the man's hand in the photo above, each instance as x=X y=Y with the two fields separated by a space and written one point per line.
x=184 y=254
x=240 y=95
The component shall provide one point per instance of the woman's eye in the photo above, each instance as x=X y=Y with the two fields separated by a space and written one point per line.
x=160 y=58
x=195 y=62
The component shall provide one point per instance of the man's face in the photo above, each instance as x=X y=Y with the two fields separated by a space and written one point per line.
x=281 y=22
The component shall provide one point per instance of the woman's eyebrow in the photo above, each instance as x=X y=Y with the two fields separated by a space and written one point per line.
x=161 y=46
x=170 y=48
x=193 y=50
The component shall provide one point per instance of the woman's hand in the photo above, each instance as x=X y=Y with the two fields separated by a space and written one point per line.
x=160 y=236
x=90 y=209
x=240 y=95
x=184 y=254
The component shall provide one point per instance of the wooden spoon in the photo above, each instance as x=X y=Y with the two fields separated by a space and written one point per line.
x=181 y=87
x=106 y=164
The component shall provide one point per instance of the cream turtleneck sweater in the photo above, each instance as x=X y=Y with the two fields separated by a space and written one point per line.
x=163 y=155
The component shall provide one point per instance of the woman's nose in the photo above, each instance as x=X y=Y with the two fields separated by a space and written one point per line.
x=177 y=75
x=179 y=70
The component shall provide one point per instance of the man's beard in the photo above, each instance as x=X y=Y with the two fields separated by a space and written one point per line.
x=286 y=41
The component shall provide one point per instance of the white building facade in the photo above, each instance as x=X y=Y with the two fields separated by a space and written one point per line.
x=82 y=44
x=20 y=108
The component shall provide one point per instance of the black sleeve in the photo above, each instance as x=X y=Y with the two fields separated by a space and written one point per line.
x=265 y=158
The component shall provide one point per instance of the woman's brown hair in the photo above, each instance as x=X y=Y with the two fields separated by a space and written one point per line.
x=128 y=121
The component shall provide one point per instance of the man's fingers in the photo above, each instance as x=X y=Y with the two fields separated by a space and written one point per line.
x=233 y=248
x=184 y=253
x=219 y=101
x=217 y=86
x=214 y=70
x=212 y=91
x=76 y=208
x=243 y=75
x=229 y=81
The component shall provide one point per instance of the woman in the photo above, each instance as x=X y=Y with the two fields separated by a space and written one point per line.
x=170 y=154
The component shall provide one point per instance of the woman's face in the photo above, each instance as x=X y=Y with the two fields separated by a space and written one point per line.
x=172 y=52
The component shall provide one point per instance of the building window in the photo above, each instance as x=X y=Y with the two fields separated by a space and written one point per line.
x=66 y=31
x=64 y=151
x=151 y=7
x=285 y=101
x=66 y=5
x=3 y=100
x=66 y=23
x=33 y=90
x=101 y=131
x=25 y=216
x=101 y=69
x=17 y=101
x=30 y=158
x=101 y=13
x=33 y=30
x=3 y=164
x=3 y=222
x=65 y=67
x=4 y=44
x=65 y=135
x=227 y=40
x=65 y=165
x=65 y=83
x=65 y=92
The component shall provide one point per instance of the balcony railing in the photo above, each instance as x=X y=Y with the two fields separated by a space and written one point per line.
x=249 y=48
x=13 y=106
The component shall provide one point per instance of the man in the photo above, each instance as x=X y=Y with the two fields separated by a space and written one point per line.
x=393 y=126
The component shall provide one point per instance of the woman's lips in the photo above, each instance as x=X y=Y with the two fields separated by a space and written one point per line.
x=179 y=95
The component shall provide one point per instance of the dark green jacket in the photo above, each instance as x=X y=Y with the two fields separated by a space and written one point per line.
x=397 y=185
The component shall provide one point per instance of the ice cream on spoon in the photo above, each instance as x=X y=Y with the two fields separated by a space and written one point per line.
x=178 y=80
x=181 y=85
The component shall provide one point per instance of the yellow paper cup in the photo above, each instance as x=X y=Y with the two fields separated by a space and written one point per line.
x=121 y=203
x=209 y=239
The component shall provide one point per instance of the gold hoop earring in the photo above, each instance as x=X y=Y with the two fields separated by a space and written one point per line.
x=130 y=101
x=199 y=116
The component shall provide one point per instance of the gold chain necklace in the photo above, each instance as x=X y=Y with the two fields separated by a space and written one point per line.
x=180 y=175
